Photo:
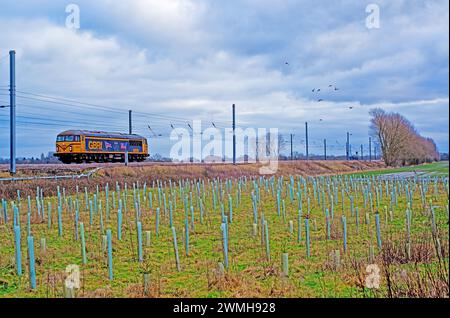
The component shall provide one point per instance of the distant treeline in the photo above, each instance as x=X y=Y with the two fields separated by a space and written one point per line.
x=400 y=142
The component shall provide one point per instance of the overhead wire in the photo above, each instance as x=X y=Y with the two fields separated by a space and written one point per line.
x=160 y=121
x=65 y=101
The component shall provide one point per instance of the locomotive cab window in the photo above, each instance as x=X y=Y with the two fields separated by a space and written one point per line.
x=68 y=138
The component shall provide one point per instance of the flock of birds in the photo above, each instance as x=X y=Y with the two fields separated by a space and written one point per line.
x=318 y=90
x=331 y=86
x=314 y=90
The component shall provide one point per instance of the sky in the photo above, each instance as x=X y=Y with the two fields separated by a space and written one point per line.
x=175 y=61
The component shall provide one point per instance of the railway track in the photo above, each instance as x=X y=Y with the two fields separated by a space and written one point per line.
x=5 y=167
x=74 y=166
x=55 y=177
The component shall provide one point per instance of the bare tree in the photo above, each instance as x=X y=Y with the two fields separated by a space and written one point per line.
x=275 y=144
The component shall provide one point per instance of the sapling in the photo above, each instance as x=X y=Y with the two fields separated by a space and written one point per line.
x=60 y=226
x=119 y=224
x=377 y=223
x=408 y=234
x=327 y=225
x=139 y=242
x=357 y=220
x=110 y=256
x=291 y=227
x=337 y=259
x=267 y=239
x=18 y=253
x=255 y=229
x=43 y=245
x=83 y=244
x=146 y=277
x=147 y=238
x=104 y=243
x=285 y=264
x=186 y=236
x=157 y=221
x=175 y=246
x=299 y=229
x=371 y=254
x=344 y=231
x=308 y=247
x=225 y=243
x=220 y=269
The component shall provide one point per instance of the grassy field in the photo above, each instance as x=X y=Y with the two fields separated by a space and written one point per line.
x=432 y=169
x=326 y=227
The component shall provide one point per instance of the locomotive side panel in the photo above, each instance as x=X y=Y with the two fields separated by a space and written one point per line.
x=113 y=146
x=103 y=145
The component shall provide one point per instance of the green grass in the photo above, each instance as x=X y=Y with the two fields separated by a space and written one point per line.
x=433 y=169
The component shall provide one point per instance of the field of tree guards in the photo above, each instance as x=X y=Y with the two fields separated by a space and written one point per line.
x=262 y=236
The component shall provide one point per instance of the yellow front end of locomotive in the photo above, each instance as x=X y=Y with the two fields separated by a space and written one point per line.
x=66 y=145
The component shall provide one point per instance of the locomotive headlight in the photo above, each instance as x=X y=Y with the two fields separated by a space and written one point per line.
x=70 y=148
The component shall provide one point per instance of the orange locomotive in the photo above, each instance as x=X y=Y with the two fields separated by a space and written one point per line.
x=77 y=146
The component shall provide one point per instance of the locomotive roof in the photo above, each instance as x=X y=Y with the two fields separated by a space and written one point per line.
x=104 y=134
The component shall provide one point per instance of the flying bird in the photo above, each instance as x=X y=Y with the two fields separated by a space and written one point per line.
x=214 y=125
x=190 y=126
x=351 y=107
x=336 y=89
x=172 y=126
x=313 y=90
x=286 y=63
x=320 y=100
x=330 y=85
x=318 y=90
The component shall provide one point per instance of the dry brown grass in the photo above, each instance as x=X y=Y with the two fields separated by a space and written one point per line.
x=151 y=172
